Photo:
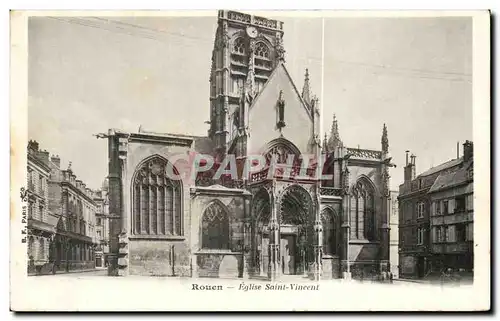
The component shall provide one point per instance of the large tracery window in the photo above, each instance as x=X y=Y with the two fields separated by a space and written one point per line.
x=156 y=200
x=239 y=46
x=215 y=228
x=261 y=50
x=362 y=217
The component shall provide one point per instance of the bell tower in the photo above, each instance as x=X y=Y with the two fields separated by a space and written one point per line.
x=246 y=50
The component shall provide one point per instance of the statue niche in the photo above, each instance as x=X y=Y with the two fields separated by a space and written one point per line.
x=280 y=112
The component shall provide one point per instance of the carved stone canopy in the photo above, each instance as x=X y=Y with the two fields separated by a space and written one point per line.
x=296 y=206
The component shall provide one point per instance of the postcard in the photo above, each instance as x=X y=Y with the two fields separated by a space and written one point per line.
x=250 y=161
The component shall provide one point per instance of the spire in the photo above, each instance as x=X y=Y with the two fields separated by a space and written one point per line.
x=306 y=92
x=385 y=141
x=334 y=140
x=325 y=144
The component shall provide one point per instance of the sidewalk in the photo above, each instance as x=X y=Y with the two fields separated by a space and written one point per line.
x=438 y=280
x=70 y=272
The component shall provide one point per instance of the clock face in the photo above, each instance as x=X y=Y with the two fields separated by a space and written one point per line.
x=252 y=32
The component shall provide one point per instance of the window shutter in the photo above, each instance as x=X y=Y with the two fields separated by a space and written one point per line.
x=451 y=206
x=452 y=233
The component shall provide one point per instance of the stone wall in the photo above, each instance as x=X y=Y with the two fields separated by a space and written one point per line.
x=159 y=258
x=219 y=265
x=331 y=268
x=365 y=270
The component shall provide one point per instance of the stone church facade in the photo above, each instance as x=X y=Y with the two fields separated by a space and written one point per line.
x=278 y=220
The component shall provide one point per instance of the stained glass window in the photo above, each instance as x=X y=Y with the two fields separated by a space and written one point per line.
x=215 y=228
x=156 y=200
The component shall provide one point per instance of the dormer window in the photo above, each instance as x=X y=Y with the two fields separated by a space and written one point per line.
x=261 y=51
x=239 y=46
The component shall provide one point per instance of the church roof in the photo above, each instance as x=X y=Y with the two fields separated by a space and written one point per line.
x=281 y=66
x=202 y=144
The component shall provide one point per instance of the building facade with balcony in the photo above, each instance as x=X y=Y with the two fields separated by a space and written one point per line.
x=452 y=217
x=284 y=218
x=73 y=204
x=415 y=206
x=41 y=222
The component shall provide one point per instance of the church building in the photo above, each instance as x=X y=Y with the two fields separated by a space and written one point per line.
x=285 y=220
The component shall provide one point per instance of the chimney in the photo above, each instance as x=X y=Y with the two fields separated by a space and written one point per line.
x=468 y=150
x=33 y=145
x=56 y=161
x=414 y=167
x=458 y=150
x=43 y=156
x=409 y=170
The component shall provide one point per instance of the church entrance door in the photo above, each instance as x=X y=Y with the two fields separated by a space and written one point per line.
x=297 y=235
x=288 y=253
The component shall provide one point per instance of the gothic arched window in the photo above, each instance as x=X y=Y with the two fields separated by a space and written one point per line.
x=369 y=217
x=362 y=216
x=261 y=50
x=156 y=200
x=330 y=232
x=239 y=46
x=215 y=228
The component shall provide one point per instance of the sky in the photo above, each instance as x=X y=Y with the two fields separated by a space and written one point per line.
x=413 y=74
x=88 y=75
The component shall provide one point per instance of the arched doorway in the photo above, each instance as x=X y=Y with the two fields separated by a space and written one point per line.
x=296 y=218
x=331 y=243
x=261 y=209
x=331 y=232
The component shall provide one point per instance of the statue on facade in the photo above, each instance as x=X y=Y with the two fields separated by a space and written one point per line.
x=281 y=111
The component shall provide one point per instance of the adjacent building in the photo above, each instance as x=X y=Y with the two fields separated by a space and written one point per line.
x=74 y=206
x=102 y=225
x=41 y=222
x=419 y=196
x=265 y=225
x=452 y=217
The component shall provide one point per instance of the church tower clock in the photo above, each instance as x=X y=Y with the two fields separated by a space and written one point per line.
x=246 y=50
